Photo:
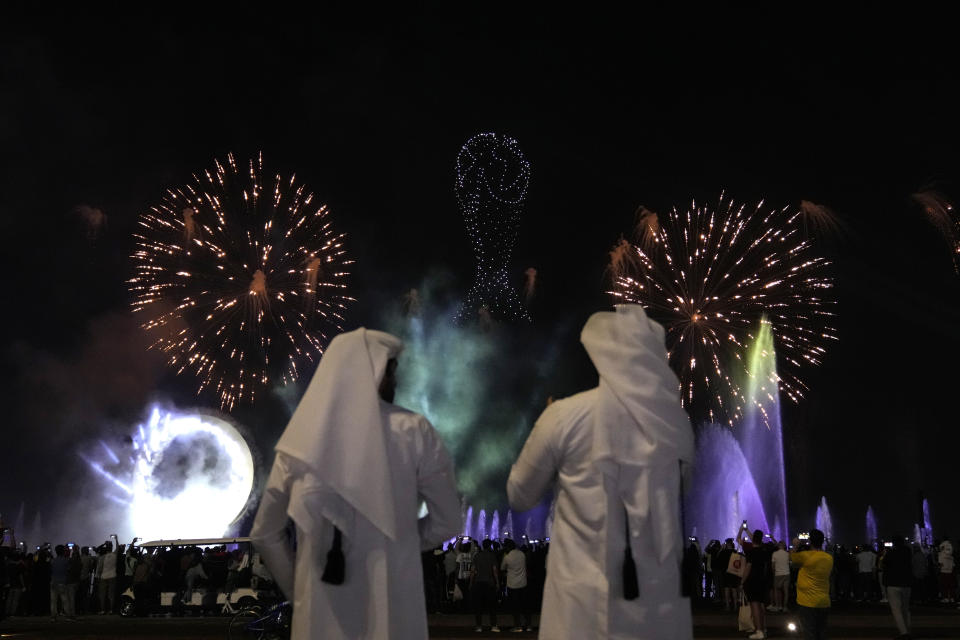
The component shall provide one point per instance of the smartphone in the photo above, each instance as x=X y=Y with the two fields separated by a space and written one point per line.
x=888 y=544
x=70 y=545
x=804 y=536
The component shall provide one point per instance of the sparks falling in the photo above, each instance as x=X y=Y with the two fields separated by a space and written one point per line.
x=240 y=278
x=709 y=275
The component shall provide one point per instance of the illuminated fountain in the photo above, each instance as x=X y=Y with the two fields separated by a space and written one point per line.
x=871 y=526
x=738 y=474
x=823 y=519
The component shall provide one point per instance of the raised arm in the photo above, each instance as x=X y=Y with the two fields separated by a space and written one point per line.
x=536 y=468
x=437 y=487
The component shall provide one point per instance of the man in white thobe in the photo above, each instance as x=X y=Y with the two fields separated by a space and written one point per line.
x=352 y=460
x=615 y=453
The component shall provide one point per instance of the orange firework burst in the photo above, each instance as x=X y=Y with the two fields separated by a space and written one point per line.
x=709 y=275
x=239 y=278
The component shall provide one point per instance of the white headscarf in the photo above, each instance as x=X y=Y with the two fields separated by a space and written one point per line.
x=338 y=430
x=641 y=430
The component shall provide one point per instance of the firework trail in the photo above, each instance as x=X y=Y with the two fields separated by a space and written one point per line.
x=710 y=277
x=529 y=284
x=940 y=213
x=240 y=277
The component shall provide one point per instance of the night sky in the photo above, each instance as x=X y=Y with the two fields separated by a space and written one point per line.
x=856 y=114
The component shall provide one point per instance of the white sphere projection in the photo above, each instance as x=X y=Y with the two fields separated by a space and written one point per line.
x=188 y=475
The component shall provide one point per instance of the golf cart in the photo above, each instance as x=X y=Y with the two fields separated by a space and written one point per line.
x=224 y=575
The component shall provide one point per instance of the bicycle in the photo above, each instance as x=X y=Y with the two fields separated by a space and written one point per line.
x=253 y=622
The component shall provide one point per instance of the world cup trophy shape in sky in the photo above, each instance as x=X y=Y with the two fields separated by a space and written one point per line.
x=492 y=181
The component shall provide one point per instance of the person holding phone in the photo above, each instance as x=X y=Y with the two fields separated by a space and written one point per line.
x=813 y=586
x=756 y=582
x=614 y=454
x=107 y=578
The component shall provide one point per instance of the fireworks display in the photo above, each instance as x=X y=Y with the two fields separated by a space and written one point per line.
x=492 y=181
x=710 y=275
x=240 y=277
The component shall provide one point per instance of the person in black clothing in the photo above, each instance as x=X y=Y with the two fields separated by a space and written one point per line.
x=484 y=585
x=756 y=582
x=693 y=572
x=897 y=578
x=728 y=582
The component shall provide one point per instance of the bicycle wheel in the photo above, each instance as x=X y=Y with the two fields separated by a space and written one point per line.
x=241 y=624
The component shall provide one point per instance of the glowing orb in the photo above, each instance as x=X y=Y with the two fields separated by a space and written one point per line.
x=192 y=476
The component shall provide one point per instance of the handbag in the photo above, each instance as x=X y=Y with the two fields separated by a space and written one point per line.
x=736 y=566
x=745 y=616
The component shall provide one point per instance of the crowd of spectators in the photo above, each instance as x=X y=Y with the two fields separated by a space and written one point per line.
x=487 y=578
x=69 y=580
x=896 y=572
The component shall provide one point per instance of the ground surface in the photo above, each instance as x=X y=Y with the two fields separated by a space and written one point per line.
x=872 y=622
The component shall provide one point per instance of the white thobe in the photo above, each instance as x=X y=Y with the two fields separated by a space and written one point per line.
x=382 y=595
x=583 y=595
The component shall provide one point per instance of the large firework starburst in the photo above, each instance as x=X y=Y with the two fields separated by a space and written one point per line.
x=710 y=275
x=239 y=277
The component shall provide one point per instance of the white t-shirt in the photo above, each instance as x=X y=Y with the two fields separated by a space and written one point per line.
x=781 y=562
x=515 y=566
x=108 y=566
x=866 y=561
x=465 y=564
x=945 y=558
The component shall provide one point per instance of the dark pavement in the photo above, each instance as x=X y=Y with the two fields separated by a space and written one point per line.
x=868 y=622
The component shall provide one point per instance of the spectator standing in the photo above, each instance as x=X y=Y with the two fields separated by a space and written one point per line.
x=813 y=586
x=107 y=578
x=74 y=567
x=614 y=454
x=88 y=570
x=450 y=571
x=514 y=566
x=729 y=583
x=464 y=569
x=898 y=577
x=945 y=562
x=193 y=575
x=484 y=584
x=693 y=571
x=17 y=584
x=756 y=583
x=59 y=594
x=712 y=584
x=781 y=577
x=919 y=569
x=866 y=565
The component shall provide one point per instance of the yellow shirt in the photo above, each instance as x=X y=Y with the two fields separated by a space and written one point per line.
x=813 y=582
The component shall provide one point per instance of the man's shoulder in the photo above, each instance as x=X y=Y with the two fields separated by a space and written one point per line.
x=570 y=409
x=403 y=419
